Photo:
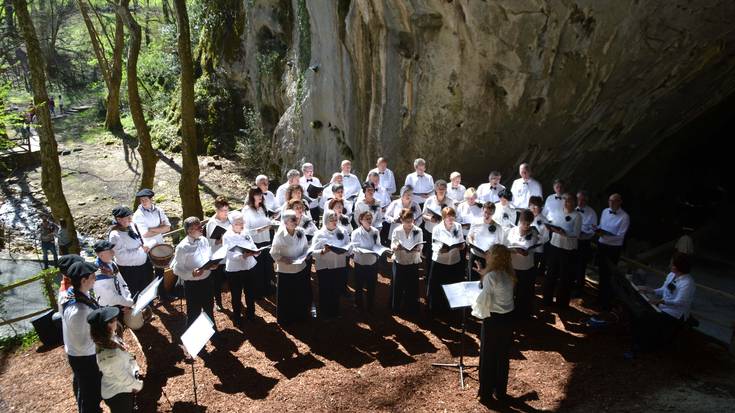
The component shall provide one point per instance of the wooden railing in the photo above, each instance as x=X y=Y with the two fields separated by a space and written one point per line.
x=47 y=278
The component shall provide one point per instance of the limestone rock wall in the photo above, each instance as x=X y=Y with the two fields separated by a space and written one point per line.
x=476 y=85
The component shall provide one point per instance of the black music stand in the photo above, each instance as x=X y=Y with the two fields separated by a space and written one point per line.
x=460 y=296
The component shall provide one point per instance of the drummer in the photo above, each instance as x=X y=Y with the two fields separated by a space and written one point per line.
x=151 y=221
x=130 y=252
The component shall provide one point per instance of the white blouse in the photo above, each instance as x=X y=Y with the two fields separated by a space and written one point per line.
x=434 y=205
x=469 y=214
x=128 y=251
x=290 y=247
x=482 y=236
x=235 y=260
x=213 y=223
x=514 y=238
x=393 y=213
x=256 y=219
x=118 y=368
x=401 y=256
x=367 y=239
x=440 y=235
x=506 y=216
x=572 y=224
x=329 y=259
x=361 y=206
x=496 y=295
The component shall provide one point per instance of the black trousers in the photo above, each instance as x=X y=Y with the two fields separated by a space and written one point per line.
x=137 y=277
x=330 y=286
x=121 y=403
x=266 y=273
x=426 y=249
x=584 y=255
x=385 y=234
x=86 y=383
x=607 y=262
x=366 y=278
x=474 y=275
x=405 y=288
x=560 y=276
x=496 y=337
x=653 y=330
x=442 y=274
x=199 y=298
x=525 y=292
x=293 y=296
x=243 y=281
x=218 y=278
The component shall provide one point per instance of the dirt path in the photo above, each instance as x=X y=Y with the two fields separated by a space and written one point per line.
x=382 y=362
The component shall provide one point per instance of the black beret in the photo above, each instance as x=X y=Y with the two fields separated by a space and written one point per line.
x=66 y=261
x=121 y=212
x=102 y=316
x=144 y=192
x=81 y=269
x=103 y=245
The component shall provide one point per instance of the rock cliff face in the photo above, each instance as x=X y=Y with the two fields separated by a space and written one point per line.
x=476 y=85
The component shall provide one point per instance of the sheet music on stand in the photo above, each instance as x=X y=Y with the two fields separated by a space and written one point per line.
x=197 y=335
x=146 y=296
x=462 y=294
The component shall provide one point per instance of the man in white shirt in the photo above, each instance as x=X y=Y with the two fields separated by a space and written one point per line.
x=554 y=204
x=455 y=189
x=269 y=200
x=151 y=221
x=189 y=263
x=308 y=178
x=651 y=329
x=421 y=182
x=488 y=192
x=387 y=179
x=350 y=181
x=525 y=187
x=76 y=305
x=292 y=178
x=584 y=243
x=614 y=223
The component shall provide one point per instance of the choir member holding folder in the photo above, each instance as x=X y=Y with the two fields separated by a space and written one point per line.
x=312 y=187
x=366 y=253
x=215 y=229
x=432 y=212
x=368 y=203
x=565 y=227
x=241 y=267
x=446 y=264
x=289 y=250
x=192 y=264
x=469 y=211
x=259 y=226
x=330 y=247
x=505 y=213
x=302 y=220
x=481 y=237
x=406 y=243
x=395 y=209
x=522 y=240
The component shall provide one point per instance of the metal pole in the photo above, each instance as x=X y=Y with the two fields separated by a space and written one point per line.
x=194 y=383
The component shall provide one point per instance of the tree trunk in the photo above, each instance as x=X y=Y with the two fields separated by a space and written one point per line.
x=50 y=168
x=188 y=185
x=145 y=148
x=112 y=118
x=111 y=71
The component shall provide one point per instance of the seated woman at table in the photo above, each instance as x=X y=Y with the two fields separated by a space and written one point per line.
x=653 y=329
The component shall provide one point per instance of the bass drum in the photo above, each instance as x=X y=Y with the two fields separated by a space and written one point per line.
x=133 y=322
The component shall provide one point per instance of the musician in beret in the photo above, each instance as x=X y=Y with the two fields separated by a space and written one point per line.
x=65 y=262
x=110 y=287
x=130 y=251
x=76 y=305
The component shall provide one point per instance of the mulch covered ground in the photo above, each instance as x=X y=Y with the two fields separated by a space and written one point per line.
x=382 y=362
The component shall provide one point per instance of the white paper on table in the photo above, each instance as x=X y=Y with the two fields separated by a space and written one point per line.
x=146 y=296
x=197 y=335
x=462 y=294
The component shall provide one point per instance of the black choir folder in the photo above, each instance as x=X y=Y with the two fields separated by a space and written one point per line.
x=338 y=249
x=314 y=191
x=217 y=232
x=409 y=244
x=249 y=249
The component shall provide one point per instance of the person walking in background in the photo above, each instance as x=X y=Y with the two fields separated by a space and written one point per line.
x=48 y=241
